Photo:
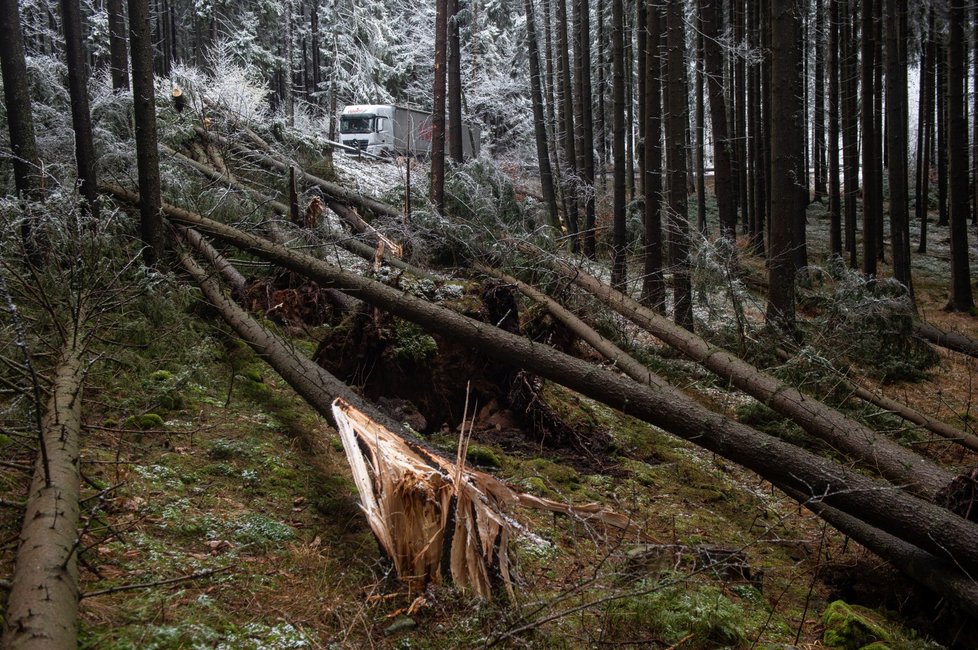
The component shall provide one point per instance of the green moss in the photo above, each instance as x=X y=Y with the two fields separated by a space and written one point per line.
x=535 y=485
x=144 y=421
x=161 y=376
x=253 y=375
x=483 y=457
x=851 y=627
x=222 y=449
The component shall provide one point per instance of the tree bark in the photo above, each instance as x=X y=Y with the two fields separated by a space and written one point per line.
x=585 y=151
x=877 y=503
x=722 y=145
x=872 y=210
x=20 y=121
x=653 y=282
x=118 y=49
x=787 y=131
x=834 y=188
x=147 y=155
x=438 y=109
x=81 y=117
x=42 y=607
x=925 y=127
x=454 y=71
x=896 y=134
x=818 y=112
x=539 y=124
x=677 y=125
x=568 y=182
x=957 y=123
x=950 y=340
x=618 y=143
x=850 y=129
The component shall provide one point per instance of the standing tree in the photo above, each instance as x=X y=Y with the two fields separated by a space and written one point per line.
x=653 y=284
x=539 y=127
x=618 y=143
x=81 y=117
x=850 y=127
x=896 y=139
x=941 y=153
x=144 y=107
x=455 y=148
x=957 y=122
x=787 y=151
x=118 y=54
x=925 y=129
x=569 y=164
x=834 y=189
x=722 y=145
x=20 y=121
x=585 y=153
x=677 y=127
x=438 y=109
x=872 y=208
x=818 y=112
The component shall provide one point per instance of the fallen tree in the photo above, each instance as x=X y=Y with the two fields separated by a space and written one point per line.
x=42 y=607
x=435 y=519
x=882 y=454
x=873 y=501
x=950 y=340
x=331 y=189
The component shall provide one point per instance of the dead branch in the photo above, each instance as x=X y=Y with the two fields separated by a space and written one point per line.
x=196 y=575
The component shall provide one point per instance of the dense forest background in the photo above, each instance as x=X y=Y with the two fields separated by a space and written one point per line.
x=684 y=358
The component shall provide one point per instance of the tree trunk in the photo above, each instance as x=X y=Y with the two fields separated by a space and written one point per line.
x=940 y=62
x=81 y=117
x=118 y=49
x=653 y=282
x=618 y=143
x=850 y=129
x=958 y=168
x=42 y=607
x=925 y=126
x=897 y=150
x=144 y=106
x=758 y=136
x=835 y=191
x=438 y=111
x=700 y=145
x=787 y=131
x=569 y=165
x=821 y=421
x=818 y=113
x=722 y=145
x=20 y=121
x=585 y=151
x=677 y=126
x=872 y=210
x=913 y=520
x=539 y=124
x=455 y=148
x=950 y=340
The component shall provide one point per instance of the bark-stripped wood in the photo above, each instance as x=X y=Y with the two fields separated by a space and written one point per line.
x=845 y=435
x=42 y=608
x=876 y=502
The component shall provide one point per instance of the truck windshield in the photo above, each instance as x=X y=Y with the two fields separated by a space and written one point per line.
x=357 y=124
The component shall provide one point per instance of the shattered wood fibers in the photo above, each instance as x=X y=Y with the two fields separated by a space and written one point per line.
x=421 y=506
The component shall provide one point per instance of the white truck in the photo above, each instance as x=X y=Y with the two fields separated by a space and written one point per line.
x=386 y=129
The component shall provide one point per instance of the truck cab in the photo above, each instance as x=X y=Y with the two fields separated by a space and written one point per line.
x=369 y=128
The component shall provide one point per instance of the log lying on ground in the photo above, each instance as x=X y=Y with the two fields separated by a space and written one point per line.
x=231 y=275
x=884 y=455
x=434 y=518
x=943 y=429
x=331 y=189
x=876 y=502
x=950 y=340
x=42 y=608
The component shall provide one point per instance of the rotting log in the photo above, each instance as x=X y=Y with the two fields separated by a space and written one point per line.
x=42 y=607
x=951 y=340
x=878 y=503
x=332 y=189
x=845 y=435
x=458 y=526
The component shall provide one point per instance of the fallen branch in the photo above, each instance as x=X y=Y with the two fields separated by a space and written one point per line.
x=196 y=575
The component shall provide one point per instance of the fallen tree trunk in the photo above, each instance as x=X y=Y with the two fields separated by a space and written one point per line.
x=845 y=435
x=943 y=429
x=876 y=502
x=42 y=608
x=332 y=189
x=950 y=340
x=233 y=277
x=435 y=519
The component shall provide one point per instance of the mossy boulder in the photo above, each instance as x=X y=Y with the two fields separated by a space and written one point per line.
x=851 y=627
x=483 y=457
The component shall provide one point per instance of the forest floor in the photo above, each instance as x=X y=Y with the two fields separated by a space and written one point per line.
x=226 y=516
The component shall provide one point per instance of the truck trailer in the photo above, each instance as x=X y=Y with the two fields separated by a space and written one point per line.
x=387 y=129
